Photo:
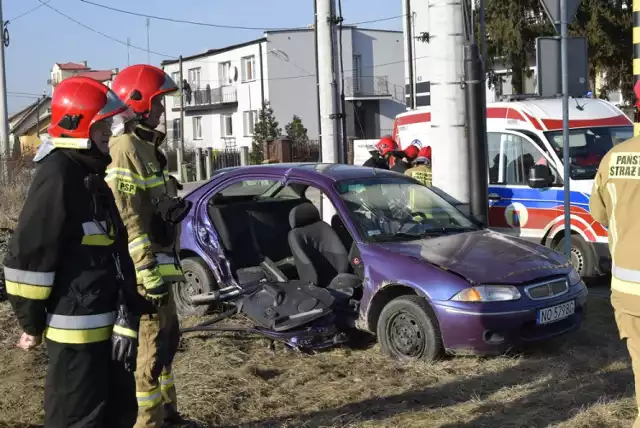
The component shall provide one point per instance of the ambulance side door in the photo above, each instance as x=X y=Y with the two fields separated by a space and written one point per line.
x=514 y=207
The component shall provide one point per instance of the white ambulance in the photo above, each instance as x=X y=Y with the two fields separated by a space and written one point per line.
x=523 y=132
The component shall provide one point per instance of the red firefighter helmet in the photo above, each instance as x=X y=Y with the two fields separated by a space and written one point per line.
x=425 y=152
x=386 y=145
x=412 y=152
x=79 y=102
x=424 y=155
x=139 y=84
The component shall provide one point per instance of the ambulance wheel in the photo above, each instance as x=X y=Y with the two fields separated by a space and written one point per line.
x=199 y=280
x=582 y=257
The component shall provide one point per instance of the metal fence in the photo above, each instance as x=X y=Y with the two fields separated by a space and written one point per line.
x=367 y=86
x=208 y=96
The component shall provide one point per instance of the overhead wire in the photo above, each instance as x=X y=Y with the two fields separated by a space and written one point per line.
x=122 y=42
x=174 y=58
x=33 y=9
x=182 y=21
x=208 y=24
x=29 y=94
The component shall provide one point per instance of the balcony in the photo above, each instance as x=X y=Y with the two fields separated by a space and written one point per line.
x=368 y=88
x=207 y=99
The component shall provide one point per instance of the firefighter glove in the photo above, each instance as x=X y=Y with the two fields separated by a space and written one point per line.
x=124 y=339
x=156 y=290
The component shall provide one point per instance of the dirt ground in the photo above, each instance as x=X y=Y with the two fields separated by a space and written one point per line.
x=583 y=380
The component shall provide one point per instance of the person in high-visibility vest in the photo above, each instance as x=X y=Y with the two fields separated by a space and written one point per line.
x=68 y=275
x=421 y=170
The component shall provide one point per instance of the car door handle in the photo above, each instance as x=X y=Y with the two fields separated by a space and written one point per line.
x=494 y=197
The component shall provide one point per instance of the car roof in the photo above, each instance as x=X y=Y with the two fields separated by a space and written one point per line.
x=332 y=172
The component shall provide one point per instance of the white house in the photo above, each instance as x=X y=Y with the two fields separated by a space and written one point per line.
x=61 y=71
x=226 y=87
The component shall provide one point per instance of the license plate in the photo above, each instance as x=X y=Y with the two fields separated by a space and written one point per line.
x=556 y=313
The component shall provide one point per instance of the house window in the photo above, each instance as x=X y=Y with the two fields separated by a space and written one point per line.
x=249 y=68
x=249 y=118
x=197 y=128
x=194 y=78
x=175 y=76
x=227 y=125
x=175 y=130
x=357 y=67
x=224 y=73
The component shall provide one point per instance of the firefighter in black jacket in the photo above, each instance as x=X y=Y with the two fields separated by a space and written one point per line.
x=68 y=273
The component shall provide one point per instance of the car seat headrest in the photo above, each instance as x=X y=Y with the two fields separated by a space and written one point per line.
x=304 y=215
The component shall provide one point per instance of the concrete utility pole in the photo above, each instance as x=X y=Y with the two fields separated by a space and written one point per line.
x=180 y=153
x=327 y=88
x=450 y=152
x=4 y=117
x=408 y=22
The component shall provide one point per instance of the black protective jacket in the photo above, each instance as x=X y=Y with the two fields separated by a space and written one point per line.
x=68 y=258
x=400 y=166
x=376 y=161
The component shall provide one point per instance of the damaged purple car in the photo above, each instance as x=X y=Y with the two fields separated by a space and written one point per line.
x=396 y=259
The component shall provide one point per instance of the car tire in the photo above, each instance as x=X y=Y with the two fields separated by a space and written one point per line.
x=582 y=257
x=199 y=280
x=418 y=333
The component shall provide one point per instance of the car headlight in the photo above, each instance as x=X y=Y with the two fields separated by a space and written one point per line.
x=488 y=293
x=573 y=277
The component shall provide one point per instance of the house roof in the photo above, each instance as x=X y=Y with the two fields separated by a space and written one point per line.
x=71 y=66
x=99 y=75
x=215 y=51
x=31 y=109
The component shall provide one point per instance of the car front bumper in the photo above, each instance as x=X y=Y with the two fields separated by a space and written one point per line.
x=468 y=328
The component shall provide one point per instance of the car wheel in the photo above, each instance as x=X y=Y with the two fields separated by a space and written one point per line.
x=582 y=258
x=199 y=280
x=408 y=330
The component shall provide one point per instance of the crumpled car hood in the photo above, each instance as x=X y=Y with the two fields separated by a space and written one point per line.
x=485 y=257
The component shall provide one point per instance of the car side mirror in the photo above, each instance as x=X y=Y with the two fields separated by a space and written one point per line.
x=540 y=177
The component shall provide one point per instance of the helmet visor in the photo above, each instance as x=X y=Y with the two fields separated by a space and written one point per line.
x=167 y=86
x=113 y=106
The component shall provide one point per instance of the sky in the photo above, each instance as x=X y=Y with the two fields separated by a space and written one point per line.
x=43 y=37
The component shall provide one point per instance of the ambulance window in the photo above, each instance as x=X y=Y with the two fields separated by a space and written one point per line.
x=511 y=157
x=493 y=141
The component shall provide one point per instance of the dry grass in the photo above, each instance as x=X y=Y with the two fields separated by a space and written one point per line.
x=580 y=381
x=13 y=190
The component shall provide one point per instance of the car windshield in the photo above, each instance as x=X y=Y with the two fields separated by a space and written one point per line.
x=385 y=209
x=587 y=146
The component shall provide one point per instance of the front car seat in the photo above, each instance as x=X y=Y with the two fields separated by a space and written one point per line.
x=319 y=254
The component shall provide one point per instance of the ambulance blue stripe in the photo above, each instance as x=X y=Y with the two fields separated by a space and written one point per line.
x=536 y=198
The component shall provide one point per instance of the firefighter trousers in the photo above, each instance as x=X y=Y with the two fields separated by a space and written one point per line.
x=86 y=389
x=629 y=328
x=159 y=337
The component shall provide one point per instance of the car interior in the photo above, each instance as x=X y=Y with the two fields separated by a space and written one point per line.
x=283 y=225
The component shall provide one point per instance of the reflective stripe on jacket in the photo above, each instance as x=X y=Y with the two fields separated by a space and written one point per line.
x=138 y=178
x=422 y=173
x=614 y=203
x=67 y=258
